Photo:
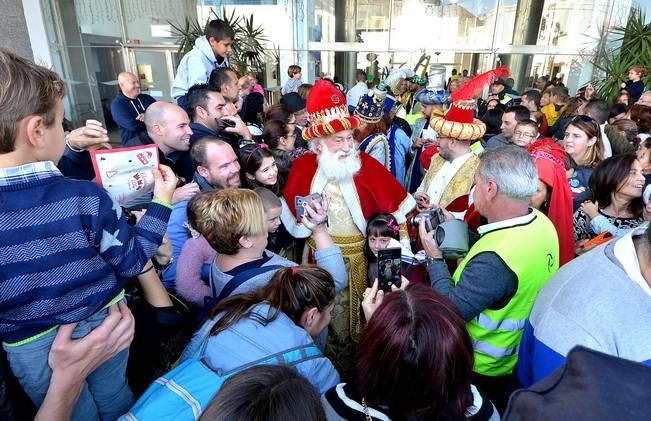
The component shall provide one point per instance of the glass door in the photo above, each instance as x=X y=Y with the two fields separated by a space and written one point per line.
x=156 y=68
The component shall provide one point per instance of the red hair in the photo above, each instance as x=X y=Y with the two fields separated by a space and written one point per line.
x=416 y=357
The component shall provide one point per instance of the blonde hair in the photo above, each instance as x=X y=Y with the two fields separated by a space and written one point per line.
x=638 y=68
x=225 y=216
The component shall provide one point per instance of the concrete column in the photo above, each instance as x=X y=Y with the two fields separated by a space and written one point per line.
x=345 y=31
x=14 y=34
x=525 y=32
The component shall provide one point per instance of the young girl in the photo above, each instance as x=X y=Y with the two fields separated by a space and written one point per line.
x=258 y=168
x=193 y=268
x=382 y=231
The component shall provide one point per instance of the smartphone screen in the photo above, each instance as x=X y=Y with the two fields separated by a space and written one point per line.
x=388 y=268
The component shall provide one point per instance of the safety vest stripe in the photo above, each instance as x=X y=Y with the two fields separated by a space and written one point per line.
x=492 y=350
x=506 y=324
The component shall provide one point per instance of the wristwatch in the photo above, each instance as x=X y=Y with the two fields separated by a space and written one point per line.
x=158 y=266
x=431 y=260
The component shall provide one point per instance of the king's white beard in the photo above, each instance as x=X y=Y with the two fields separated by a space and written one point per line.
x=339 y=169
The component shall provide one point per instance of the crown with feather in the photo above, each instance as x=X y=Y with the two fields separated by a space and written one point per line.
x=460 y=122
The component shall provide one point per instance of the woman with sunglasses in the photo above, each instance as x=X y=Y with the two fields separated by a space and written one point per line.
x=582 y=142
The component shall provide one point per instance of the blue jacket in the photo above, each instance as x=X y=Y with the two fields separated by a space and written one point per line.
x=76 y=165
x=251 y=339
x=199 y=131
x=124 y=111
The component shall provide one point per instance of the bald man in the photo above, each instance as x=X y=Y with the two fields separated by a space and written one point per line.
x=128 y=107
x=168 y=127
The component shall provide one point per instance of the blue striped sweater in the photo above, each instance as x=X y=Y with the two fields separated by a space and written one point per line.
x=65 y=249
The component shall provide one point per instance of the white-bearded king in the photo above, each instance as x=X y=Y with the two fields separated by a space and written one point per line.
x=358 y=187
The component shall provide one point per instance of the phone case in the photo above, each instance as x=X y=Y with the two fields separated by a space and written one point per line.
x=389 y=262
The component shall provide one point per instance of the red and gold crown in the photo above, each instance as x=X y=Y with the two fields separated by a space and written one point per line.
x=460 y=122
x=328 y=111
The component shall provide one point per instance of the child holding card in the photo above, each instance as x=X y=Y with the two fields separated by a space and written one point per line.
x=66 y=247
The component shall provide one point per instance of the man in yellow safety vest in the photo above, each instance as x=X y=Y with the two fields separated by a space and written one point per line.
x=497 y=282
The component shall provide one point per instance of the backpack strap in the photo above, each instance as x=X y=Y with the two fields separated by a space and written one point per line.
x=198 y=354
x=242 y=277
x=289 y=358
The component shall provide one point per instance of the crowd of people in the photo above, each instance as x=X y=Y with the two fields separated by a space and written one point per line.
x=253 y=282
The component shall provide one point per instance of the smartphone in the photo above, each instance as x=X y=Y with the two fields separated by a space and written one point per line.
x=301 y=201
x=223 y=123
x=604 y=237
x=389 y=271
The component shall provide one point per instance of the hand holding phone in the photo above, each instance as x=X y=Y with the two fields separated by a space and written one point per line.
x=300 y=202
x=389 y=263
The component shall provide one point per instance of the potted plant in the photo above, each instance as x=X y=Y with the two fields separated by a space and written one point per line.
x=613 y=63
x=248 y=50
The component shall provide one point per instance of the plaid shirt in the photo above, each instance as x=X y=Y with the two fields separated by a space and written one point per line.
x=29 y=172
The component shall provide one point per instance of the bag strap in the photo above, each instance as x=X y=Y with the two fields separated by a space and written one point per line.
x=198 y=354
x=242 y=277
x=289 y=357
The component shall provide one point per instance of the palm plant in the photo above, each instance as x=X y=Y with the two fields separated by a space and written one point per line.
x=248 y=50
x=614 y=63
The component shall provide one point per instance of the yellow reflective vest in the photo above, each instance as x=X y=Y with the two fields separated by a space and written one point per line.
x=530 y=250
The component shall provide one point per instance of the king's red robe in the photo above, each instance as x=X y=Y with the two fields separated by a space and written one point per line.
x=373 y=190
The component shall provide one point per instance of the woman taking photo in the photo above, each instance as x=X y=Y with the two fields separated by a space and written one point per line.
x=617 y=185
x=287 y=313
x=233 y=223
x=415 y=363
x=582 y=141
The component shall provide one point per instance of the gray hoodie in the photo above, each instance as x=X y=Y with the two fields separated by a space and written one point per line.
x=195 y=67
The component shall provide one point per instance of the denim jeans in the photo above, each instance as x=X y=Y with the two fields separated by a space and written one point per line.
x=106 y=394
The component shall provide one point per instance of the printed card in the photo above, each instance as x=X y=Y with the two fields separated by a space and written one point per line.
x=126 y=173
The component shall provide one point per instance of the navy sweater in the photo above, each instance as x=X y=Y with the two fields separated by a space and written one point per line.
x=65 y=250
x=124 y=111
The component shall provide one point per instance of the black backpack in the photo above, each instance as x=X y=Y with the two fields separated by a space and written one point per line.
x=590 y=386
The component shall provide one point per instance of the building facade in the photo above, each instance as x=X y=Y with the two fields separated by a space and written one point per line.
x=90 y=41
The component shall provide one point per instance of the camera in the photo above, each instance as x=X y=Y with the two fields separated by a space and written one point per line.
x=452 y=238
x=432 y=219
x=301 y=201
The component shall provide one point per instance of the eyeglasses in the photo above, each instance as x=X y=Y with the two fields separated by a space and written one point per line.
x=525 y=135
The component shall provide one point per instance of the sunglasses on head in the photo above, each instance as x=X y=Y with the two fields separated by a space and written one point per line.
x=583 y=118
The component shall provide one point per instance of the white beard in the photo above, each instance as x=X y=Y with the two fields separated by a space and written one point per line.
x=339 y=169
